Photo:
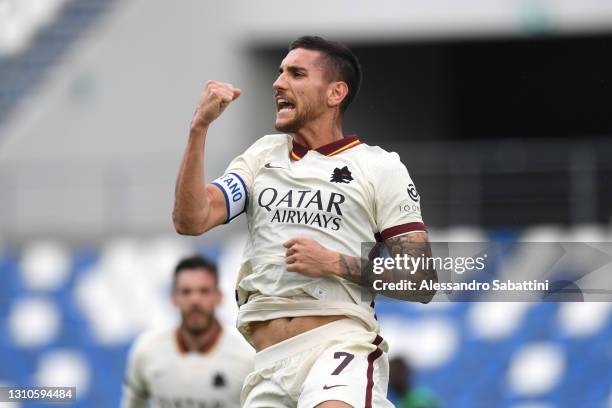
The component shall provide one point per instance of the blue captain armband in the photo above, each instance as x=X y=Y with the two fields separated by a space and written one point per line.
x=235 y=193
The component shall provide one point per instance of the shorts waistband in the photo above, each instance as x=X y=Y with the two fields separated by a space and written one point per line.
x=304 y=341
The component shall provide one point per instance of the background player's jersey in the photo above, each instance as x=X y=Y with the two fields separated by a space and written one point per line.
x=160 y=370
x=341 y=195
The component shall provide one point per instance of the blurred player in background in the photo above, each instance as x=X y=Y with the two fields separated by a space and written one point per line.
x=196 y=364
x=403 y=392
x=311 y=196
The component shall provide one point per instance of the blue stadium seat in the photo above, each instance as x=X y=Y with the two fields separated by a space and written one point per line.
x=475 y=375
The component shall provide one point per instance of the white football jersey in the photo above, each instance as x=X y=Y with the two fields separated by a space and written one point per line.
x=161 y=371
x=341 y=195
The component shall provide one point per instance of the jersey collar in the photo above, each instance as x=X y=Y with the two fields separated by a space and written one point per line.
x=206 y=347
x=298 y=151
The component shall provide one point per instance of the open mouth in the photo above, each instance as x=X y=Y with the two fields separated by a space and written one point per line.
x=283 y=105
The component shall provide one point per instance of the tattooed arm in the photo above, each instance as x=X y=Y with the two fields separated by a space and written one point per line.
x=412 y=245
x=308 y=257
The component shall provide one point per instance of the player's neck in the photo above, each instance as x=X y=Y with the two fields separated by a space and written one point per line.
x=203 y=341
x=319 y=132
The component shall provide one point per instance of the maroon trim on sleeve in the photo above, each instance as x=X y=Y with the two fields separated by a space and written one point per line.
x=402 y=229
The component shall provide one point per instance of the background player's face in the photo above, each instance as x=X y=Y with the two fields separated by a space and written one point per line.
x=300 y=89
x=196 y=295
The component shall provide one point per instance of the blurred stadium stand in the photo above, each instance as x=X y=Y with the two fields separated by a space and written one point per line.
x=490 y=114
x=34 y=35
x=499 y=108
x=69 y=314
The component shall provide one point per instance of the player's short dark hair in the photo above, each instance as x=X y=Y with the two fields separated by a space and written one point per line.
x=342 y=64
x=196 y=262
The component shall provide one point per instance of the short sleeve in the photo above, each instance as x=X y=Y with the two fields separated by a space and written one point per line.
x=244 y=167
x=397 y=201
x=236 y=183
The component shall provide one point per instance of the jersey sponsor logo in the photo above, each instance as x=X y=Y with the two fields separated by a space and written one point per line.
x=342 y=175
x=327 y=387
x=308 y=207
x=412 y=192
x=410 y=208
x=271 y=166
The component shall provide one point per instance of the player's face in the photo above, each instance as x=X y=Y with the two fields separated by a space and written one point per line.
x=196 y=296
x=300 y=90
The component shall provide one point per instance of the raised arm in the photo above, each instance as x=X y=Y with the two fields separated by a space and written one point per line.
x=307 y=256
x=198 y=206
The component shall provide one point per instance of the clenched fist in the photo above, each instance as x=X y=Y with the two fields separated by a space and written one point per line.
x=308 y=257
x=215 y=98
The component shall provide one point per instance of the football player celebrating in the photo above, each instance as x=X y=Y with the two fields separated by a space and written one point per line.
x=311 y=197
x=196 y=364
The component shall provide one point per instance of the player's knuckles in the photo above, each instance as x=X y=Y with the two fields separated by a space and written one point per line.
x=220 y=95
x=295 y=266
x=227 y=98
x=228 y=86
x=229 y=92
x=217 y=88
x=214 y=94
x=213 y=83
x=225 y=89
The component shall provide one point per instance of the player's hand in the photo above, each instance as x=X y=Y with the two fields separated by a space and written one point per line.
x=215 y=97
x=308 y=257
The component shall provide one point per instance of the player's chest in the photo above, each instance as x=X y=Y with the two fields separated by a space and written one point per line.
x=193 y=375
x=328 y=186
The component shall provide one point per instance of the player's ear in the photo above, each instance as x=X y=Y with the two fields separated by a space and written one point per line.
x=337 y=91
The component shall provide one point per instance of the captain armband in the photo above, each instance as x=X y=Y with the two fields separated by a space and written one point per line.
x=235 y=192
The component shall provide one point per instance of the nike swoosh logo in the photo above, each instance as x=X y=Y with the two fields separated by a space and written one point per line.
x=327 y=387
x=270 y=166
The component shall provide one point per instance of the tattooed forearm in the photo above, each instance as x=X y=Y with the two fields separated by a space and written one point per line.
x=413 y=245
x=350 y=268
